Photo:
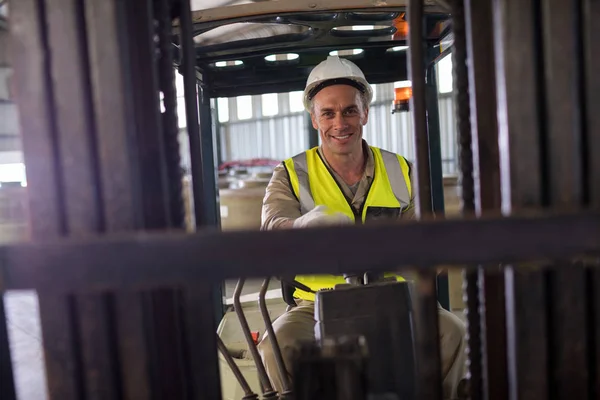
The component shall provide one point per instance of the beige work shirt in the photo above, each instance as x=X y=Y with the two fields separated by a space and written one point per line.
x=281 y=208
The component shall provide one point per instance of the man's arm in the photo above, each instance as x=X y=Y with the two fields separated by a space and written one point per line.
x=410 y=212
x=280 y=205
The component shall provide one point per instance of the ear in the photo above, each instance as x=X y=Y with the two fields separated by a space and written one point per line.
x=314 y=121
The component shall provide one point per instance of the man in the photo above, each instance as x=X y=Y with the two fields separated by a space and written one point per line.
x=342 y=181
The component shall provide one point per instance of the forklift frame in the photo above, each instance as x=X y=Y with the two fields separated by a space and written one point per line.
x=123 y=310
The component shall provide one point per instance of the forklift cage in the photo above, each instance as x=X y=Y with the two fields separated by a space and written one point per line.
x=124 y=291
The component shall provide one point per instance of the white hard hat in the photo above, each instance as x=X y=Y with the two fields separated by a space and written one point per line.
x=335 y=70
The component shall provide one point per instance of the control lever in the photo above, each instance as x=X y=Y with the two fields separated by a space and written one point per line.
x=267 y=388
x=283 y=373
x=248 y=393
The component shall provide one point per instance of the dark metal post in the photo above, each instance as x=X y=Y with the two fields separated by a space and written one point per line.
x=435 y=155
x=488 y=287
x=197 y=105
x=433 y=130
x=7 y=385
x=209 y=205
x=426 y=315
x=520 y=127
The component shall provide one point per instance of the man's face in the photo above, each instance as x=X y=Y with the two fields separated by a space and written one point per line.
x=339 y=115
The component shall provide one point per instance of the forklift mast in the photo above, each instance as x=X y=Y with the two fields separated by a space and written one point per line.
x=129 y=300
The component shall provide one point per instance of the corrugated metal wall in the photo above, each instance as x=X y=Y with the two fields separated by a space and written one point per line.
x=284 y=135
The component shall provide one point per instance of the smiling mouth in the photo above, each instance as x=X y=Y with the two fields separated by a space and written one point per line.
x=342 y=137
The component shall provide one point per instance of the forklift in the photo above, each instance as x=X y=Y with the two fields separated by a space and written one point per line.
x=130 y=301
x=275 y=53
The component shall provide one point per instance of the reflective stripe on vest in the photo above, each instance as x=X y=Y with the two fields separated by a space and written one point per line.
x=313 y=185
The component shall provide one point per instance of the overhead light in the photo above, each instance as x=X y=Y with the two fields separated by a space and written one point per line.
x=223 y=64
x=345 y=53
x=360 y=27
x=282 y=57
x=398 y=48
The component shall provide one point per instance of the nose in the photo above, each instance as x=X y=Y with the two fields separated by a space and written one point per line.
x=339 y=122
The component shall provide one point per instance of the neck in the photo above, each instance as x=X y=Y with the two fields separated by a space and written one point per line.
x=349 y=167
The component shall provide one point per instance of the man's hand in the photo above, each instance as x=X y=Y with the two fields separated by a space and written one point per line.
x=321 y=216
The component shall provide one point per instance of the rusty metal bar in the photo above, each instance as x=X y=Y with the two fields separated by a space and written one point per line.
x=487 y=286
x=75 y=133
x=30 y=51
x=591 y=37
x=112 y=113
x=568 y=337
x=31 y=76
x=418 y=105
x=471 y=275
x=148 y=153
x=563 y=98
x=462 y=107
x=134 y=359
x=521 y=126
x=527 y=332
x=100 y=366
x=426 y=319
x=62 y=356
x=564 y=87
x=170 y=124
x=520 y=121
x=593 y=283
x=203 y=377
x=97 y=263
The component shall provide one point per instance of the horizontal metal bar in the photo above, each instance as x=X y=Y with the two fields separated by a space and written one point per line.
x=159 y=259
x=264 y=8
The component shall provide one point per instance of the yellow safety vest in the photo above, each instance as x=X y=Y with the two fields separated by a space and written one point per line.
x=313 y=185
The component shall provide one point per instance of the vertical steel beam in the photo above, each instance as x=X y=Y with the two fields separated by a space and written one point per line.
x=591 y=38
x=114 y=126
x=435 y=154
x=31 y=77
x=197 y=105
x=7 y=386
x=170 y=124
x=203 y=365
x=210 y=214
x=527 y=333
x=522 y=161
x=416 y=70
x=426 y=315
x=472 y=278
x=562 y=64
x=31 y=55
x=520 y=115
x=433 y=134
x=132 y=334
x=488 y=287
x=565 y=114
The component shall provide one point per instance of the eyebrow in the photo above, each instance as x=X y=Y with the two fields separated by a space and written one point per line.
x=329 y=109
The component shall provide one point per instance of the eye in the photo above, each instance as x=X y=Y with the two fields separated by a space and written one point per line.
x=351 y=111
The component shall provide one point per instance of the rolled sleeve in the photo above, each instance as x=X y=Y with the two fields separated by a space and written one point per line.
x=280 y=206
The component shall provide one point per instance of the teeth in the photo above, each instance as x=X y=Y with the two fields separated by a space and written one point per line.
x=342 y=137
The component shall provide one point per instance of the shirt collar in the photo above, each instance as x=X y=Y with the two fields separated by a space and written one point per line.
x=370 y=165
